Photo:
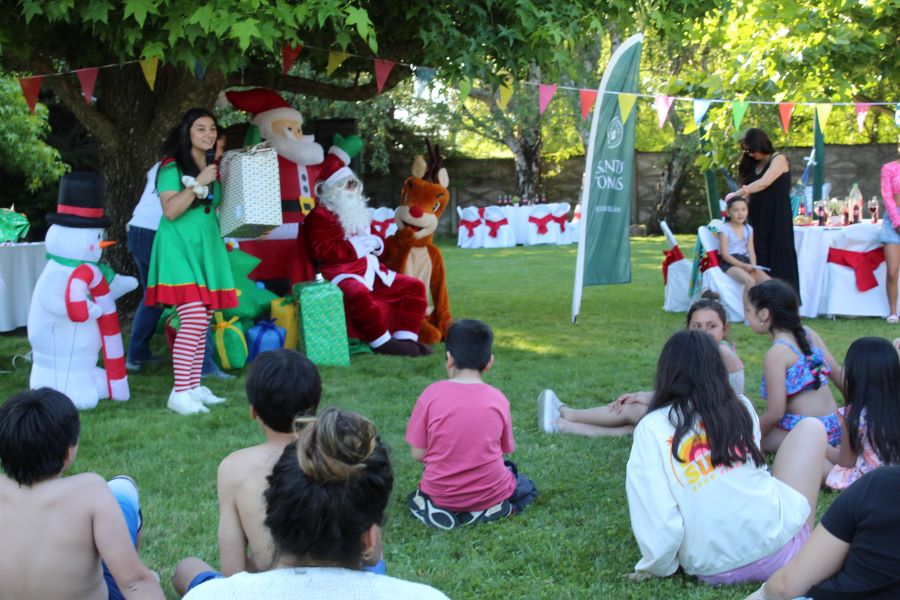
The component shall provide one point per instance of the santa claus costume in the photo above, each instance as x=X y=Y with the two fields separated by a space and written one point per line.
x=384 y=307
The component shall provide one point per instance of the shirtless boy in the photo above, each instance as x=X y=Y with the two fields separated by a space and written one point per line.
x=57 y=529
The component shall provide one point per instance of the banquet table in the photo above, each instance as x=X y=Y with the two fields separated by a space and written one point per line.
x=20 y=267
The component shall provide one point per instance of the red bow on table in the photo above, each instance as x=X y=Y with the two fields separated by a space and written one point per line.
x=561 y=219
x=862 y=263
x=494 y=226
x=470 y=225
x=672 y=257
x=710 y=259
x=380 y=228
x=542 y=223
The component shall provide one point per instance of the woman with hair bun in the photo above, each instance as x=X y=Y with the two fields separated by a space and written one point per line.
x=325 y=506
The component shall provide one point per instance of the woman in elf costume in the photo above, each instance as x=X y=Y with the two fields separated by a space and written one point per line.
x=189 y=266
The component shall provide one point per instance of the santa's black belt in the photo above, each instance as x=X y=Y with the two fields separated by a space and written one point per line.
x=290 y=206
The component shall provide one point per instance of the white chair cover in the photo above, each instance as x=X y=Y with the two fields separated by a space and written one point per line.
x=471 y=228
x=541 y=227
x=731 y=293
x=561 y=221
x=498 y=232
x=677 y=296
x=383 y=224
x=842 y=296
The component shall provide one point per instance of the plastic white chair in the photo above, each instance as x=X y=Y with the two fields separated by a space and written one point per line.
x=471 y=228
x=541 y=227
x=383 y=224
x=561 y=221
x=676 y=276
x=731 y=293
x=498 y=232
x=842 y=294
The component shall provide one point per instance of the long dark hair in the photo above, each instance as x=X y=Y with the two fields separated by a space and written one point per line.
x=872 y=383
x=753 y=140
x=178 y=141
x=692 y=381
x=784 y=310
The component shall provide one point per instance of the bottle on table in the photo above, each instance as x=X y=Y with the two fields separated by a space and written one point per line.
x=856 y=201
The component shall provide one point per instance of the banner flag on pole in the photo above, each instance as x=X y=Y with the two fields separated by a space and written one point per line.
x=335 y=60
x=604 y=254
x=662 y=104
x=289 y=54
x=822 y=112
x=148 y=68
x=700 y=108
x=545 y=94
x=738 y=109
x=785 y=109
x=588 y=97
x=626 y=103
x=382 y=70
x=862 y=109
x=31 y=87
x=87 y=78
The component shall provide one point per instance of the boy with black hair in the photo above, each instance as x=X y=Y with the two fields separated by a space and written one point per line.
x=65 y=537
x=461 y=428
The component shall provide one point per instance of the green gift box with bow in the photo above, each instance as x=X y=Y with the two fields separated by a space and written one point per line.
x=230 y=344
x=322 y=326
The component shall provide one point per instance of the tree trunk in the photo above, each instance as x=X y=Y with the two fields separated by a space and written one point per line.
x=528 y=162
x=671 y=184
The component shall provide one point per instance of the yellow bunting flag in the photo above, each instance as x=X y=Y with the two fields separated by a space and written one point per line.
x=626 y=103
x=335 y=60
x=690 y=127
x=149 y=66
x=505 y=95
x=822 y=112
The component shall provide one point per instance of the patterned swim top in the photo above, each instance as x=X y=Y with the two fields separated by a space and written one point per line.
x=801 y=375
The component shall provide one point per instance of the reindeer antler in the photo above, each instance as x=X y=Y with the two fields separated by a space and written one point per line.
x=435 y=162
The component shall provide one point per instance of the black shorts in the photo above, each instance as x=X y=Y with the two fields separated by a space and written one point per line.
x=727 y=265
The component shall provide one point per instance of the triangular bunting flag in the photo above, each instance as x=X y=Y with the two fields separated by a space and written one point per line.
x=465 y=88
x=335 y=60
x=382 y=70
x=505 y=94
x=662 y=105
x=423 y=75
x=700 y=108
x=87 y=77
x=289 y=54
x=785 y=110
x=822 y=112
x=862 y=109
x=148 y=67
x=545 y=94
x=690 y=127
x=626 y=103
x=897 y=115
x=738 y=109
x=31 y=87
x=588 y=97
x=199 y=69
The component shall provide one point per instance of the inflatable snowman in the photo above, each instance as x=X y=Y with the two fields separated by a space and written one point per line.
x=73 y=311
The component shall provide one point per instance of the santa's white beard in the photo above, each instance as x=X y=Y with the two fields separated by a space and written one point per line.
x=350 y=208
x=302 y=152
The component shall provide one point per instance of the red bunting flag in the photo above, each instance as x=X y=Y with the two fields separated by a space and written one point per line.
x=87 y=77
x=31 y=87
x=289 y=54
x=382 y=70
x=545 y=94
x=588 y=97
x=786 y=109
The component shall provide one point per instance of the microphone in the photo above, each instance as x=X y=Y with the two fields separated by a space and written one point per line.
x=210 y=156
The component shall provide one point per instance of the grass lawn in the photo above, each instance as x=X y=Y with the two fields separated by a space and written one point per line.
x=574 y=542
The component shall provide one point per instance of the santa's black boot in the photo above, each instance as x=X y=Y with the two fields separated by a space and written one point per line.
x=398 y=348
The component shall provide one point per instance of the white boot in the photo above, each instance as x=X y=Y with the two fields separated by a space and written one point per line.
x=204 y=395
x=184 y=403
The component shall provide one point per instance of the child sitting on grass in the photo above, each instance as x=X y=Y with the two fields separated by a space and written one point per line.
x=282 y=385
x=63 y=537
x=620 y=416
x=738 y=257
x=461 y=428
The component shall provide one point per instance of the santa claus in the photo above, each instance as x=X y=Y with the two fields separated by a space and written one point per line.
x=300 y=164
x=383 y=307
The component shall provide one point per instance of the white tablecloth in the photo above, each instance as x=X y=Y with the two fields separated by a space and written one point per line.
x=20 y=267
x=812 y=245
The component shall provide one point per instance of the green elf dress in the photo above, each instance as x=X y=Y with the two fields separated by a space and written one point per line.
x=189 y=261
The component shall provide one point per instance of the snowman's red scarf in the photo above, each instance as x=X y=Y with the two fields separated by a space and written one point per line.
x=87 y=279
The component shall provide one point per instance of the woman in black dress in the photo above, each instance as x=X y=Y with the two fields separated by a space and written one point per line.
x=766 y=178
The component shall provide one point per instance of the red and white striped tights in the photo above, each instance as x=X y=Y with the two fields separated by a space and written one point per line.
x=190 y=344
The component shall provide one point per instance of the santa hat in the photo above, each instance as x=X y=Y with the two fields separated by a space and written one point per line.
x=333 y=169
x=80 y=202
x=265 y=105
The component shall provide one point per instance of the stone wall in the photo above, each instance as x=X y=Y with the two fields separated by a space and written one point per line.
x=481 y=181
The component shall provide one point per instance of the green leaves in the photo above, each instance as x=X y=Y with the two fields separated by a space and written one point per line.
x=139 y=9
x=244 y=31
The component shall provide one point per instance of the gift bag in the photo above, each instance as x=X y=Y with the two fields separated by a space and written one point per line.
x=229 y=343
x=13 y=226
x=264 y=336
x=251 y=190
x=284 y=313
x=323 y=328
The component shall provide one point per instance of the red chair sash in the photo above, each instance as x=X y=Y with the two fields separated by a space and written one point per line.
x=672 y=257
x=709 y=260
x=542 y=223
x=494 y=226
x=470 y=225
x=561 y=219
x=862 y=263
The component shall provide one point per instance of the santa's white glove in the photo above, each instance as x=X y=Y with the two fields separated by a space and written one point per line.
x=201 y=191
x=367 y=244
x=378 y=245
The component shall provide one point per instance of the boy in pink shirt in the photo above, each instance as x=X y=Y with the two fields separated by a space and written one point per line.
x=461 y=428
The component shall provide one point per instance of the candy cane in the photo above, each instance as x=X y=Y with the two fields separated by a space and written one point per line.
x=87 y=279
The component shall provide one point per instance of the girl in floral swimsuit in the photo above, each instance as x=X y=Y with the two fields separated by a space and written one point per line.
x=797 y=367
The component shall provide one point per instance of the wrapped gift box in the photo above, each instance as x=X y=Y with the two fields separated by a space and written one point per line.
x=251 y=203
x=230 y=343
x=323 y=328
x=264 y=336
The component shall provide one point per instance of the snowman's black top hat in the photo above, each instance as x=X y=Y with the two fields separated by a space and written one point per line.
x=80 y=202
